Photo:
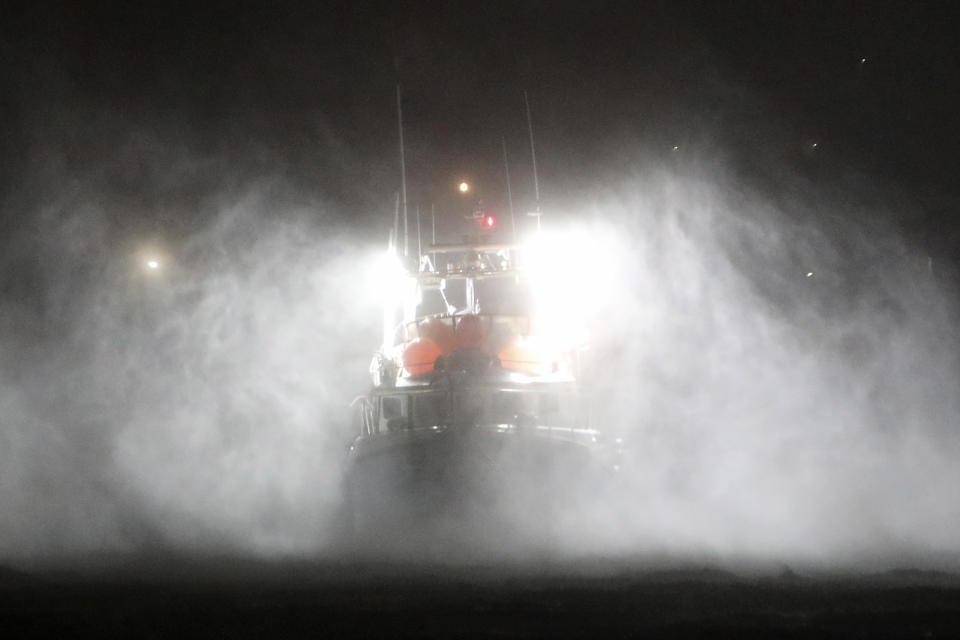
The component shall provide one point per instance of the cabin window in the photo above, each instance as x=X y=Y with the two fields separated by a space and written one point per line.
x=454 y=293
x=391 y=407
x=511 y=407
x=432 y=303
x=504 y=296
x=429 y=409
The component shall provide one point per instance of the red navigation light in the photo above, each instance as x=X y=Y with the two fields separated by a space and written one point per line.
x=489 y=222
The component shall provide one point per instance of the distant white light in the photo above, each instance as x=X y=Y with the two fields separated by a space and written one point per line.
x=814 y=145
x=676 y=147
x=863 y=60
x=464 y=187
x=153 y=264
x=809 y=274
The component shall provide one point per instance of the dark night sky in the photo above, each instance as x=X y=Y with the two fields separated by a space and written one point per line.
x=305 y=92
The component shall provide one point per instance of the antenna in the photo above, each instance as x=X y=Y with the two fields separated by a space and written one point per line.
x=433 y=225
x=403 y=173
x=419 y=247
x=506 y=172
x=396 y=223
x=533 y=156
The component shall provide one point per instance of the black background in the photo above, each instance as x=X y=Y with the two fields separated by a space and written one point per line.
x=306 y=91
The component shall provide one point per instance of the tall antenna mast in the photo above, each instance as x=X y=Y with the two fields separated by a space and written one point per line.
x=419 y=246
x=533 y=156
x=395 y=232
x=403 y=173
x=506 y=172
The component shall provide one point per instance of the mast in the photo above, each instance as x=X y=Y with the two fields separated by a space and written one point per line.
x=419 y=245
x=533 y=156
x=403 y=174
x=395 y=232
x=506 y=172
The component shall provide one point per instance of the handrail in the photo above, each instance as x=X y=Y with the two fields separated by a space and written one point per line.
x=455 y=320
x=459 y=247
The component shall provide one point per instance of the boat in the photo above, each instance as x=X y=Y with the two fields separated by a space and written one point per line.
x=476 y=428
x=476 y=431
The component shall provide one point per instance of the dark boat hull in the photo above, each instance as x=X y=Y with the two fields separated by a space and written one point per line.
x=472 y=488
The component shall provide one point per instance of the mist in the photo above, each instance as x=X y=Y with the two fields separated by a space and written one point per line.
x=782 y=368
x=780 y=364
x=198 y=407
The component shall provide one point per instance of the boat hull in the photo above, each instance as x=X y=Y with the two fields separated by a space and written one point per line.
x=475 y=488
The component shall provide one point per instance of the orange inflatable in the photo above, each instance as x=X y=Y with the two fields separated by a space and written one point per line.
x=470 y=333
x=439 y=332
x=526 y=356
x=419 y=356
